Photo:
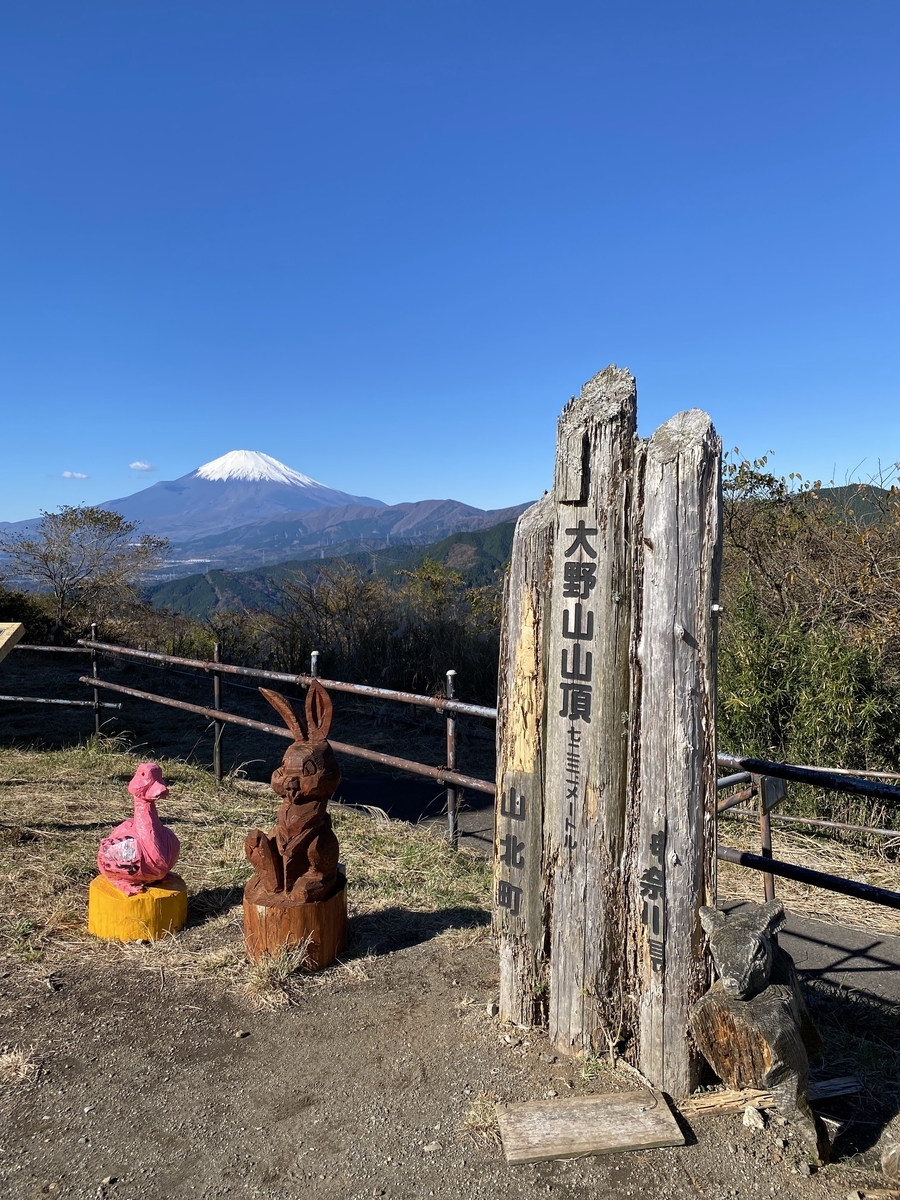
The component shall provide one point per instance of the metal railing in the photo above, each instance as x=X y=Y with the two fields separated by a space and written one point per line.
x=95 y=704
x=764 y=779
x=446 y=775
x=766 y=782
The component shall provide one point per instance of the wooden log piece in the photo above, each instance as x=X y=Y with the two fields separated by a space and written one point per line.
x=274 y=923
x=147 y=916
x=673 y=781
x=11 y=633
x=518 y=812
x=537 y=1130
x=713 y=1104
x=586 y=735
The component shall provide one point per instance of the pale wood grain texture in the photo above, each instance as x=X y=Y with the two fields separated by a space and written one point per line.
x=602 y=735
x=11 y=633
x=674 y=766
x=544 y=1129
x=711 y=1104
x=519 y=924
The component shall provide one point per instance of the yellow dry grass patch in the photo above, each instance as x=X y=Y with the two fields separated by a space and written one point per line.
x=820 y=853
x=404 y=882
x=17 y=1064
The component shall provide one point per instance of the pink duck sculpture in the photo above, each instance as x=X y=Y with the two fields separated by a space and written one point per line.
x=141 y=850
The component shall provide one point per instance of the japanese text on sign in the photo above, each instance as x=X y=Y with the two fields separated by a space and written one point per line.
x=653 y=895
x=511 y=852
x=576 y=665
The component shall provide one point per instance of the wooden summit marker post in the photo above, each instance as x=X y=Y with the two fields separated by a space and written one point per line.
x=563 y=746
x=673 y=777
x=594 y=751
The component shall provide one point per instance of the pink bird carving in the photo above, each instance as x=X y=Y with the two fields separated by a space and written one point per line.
x=141 y=850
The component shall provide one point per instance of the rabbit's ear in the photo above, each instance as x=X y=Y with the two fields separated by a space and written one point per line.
x=285 y=709
x=319 y=711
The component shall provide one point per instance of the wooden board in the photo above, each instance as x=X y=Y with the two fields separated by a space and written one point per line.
x=712 y=1104
x=542 y=1129
x=11 y=633
x=586 y=734
x=519 y=811
x=605 y=819
x=562 y=733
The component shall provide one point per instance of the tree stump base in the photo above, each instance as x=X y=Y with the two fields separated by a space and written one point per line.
x=273 y=923
x=160 y=909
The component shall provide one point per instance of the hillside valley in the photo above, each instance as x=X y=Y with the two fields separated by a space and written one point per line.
x=479 y=556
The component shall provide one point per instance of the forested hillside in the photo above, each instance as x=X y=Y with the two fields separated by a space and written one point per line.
x=478 y=557
x=809 y=661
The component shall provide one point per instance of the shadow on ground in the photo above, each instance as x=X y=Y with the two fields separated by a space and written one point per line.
x=397 y=928
x=209 y=903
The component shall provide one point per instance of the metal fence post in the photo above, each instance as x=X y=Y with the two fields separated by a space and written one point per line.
x=452 y=827
x=218 y=726
x=95 y=672
x=765 y=832
x=314 y=664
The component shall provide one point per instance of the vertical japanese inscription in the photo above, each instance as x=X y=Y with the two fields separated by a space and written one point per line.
x=511 y=850
x=577 y=663
x=653 y=901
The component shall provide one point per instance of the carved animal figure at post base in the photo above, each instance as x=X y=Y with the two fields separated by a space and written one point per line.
x=141 y=850
x=297 y=862
x=753 y=1025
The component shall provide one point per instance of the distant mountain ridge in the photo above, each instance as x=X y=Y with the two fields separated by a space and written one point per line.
x=479 y=556
x=339 y=532
x=240 y=487
x=249 y=509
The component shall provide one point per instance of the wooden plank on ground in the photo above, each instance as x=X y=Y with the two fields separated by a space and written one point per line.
x=541 y=1129
x=11 y=632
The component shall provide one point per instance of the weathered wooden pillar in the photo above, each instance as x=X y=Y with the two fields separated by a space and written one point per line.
x=673 y=781
x=519 y=916
x=565 y=660
x=605 y=836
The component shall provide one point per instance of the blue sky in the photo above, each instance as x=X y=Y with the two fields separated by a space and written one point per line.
x=385 y=242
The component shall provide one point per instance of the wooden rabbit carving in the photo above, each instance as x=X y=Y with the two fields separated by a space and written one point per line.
x=297 y=862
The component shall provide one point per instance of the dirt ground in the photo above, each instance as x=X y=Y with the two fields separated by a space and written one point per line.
x=149 y=1088
x=179 y=1070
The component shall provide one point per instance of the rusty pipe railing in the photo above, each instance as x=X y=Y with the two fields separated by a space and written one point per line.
x=819 y=879
x=746 y=814
x=336 y=685
x=62 y=703
x=440 y=774
x=815 y=776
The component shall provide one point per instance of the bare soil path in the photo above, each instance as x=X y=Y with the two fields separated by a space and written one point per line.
x=177 y=1070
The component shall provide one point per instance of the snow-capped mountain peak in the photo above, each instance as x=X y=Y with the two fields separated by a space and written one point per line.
x=254 y=466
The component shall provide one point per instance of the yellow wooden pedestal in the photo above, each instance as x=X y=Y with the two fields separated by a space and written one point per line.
x=160 y=909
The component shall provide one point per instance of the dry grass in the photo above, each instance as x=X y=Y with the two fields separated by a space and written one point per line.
x=480 y=1119
x=405 y=882
x=821 y=853
x=269 y=980
x=16 y=1064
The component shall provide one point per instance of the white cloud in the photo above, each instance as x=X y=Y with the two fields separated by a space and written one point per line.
x=142 y=466
x=72 y=475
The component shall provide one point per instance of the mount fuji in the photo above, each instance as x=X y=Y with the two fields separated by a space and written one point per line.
x=247 y=509
x=241 y=487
